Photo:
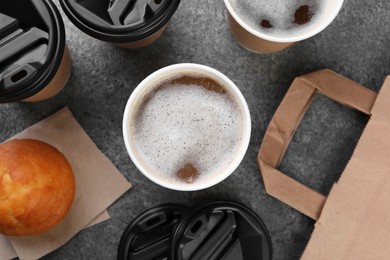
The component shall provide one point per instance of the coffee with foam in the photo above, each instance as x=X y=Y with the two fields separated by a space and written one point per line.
x=187 y=128
x=280 y=18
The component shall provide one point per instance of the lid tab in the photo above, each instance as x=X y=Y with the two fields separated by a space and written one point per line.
x=7 y=25
x=217 y=241
x=21 y=42
x=132 y=12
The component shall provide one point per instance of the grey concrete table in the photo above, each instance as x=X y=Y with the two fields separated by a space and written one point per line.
x=356 y=44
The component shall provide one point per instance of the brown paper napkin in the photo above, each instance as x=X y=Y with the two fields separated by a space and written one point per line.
x=7 y=251
x=98 y=183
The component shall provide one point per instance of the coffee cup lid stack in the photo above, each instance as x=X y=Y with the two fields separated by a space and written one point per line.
x=32 y=42
x=120 y=21
x=213 y=230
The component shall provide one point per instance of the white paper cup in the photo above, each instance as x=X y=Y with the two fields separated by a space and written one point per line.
x=150 y=82
x=259 y=42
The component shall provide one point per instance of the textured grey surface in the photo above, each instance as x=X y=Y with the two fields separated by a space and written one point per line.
x=356 y=45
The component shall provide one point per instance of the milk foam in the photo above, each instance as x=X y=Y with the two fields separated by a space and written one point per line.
x=280 y=13
x=180 y=124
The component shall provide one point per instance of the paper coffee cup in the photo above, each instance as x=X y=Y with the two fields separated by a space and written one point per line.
x=34 y=61
x=260 y=42
x=124 y=23
x=149 y=85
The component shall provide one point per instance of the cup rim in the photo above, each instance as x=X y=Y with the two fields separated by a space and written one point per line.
x=321 y=27
x=241 y=150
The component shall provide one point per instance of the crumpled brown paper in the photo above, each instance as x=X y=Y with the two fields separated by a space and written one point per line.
x=98 y=185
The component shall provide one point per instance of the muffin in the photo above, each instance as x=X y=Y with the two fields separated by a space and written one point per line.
x=37 y=187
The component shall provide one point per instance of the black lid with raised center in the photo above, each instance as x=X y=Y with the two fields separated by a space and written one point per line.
x=119 y=21
x=147 y=236
x=221 y=231
x=32 y=42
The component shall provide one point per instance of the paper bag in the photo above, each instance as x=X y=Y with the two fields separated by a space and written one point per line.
x=353 y=222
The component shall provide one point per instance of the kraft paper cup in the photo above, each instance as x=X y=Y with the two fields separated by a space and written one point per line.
x=260 y=42
x=166 y=73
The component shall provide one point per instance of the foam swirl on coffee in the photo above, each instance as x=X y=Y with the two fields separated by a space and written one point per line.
x=187 y=128
x=279 y=17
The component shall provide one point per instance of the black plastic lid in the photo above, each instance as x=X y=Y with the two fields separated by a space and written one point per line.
x=147 y=236
x=119 y=21
x=221 y=231
x=32 y=42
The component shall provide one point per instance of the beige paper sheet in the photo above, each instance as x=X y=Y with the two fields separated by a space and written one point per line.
x=98 y=183
x=7 y=251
